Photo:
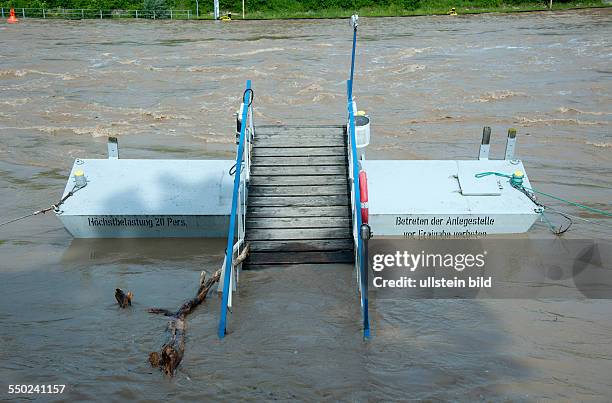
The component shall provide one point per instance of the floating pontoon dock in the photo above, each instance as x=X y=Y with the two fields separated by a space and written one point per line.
x=298 y=195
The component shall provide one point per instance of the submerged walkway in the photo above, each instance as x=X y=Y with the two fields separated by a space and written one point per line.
x=299 y=208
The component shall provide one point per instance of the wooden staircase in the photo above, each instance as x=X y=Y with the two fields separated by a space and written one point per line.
x=298 y=197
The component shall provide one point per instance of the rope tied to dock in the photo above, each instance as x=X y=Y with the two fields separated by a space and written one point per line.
x=516 y=181
x=232 y=170
x=251 y=97
x=54 y=207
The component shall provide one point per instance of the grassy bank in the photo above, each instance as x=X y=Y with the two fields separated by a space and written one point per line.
x=284 y=9
x=428 y=8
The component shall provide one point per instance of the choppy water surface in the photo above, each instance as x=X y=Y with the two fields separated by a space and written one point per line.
x=168 y=90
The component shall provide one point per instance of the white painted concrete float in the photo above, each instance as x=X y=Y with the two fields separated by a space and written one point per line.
x=444 y=199
x=133 y=198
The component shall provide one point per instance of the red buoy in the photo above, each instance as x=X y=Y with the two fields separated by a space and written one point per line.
x=12 y=19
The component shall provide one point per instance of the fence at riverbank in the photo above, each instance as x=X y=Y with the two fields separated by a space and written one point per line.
x=88 y=13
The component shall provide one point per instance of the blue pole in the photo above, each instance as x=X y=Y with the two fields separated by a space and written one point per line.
x=350 y=90
x=229 y=252
x=364 y=292
x=364 y=284
x=365 y=264
x=360 y=254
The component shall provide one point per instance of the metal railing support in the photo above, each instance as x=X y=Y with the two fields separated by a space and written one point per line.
x=365 y=233
x=229 y=255
x=355 y=24
x=361 y=254
x=356 y=198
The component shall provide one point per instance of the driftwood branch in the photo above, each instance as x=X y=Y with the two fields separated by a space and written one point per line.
x=124 y=300
x=171 y=353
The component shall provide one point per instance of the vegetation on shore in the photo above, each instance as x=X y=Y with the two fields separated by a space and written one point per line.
x=427 y=7
x=281 y=9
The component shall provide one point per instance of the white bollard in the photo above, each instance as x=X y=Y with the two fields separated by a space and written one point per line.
x=483 y=154
x=510 y=144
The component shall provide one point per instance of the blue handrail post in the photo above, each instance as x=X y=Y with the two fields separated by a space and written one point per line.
x=362 y=265
x=357 y=217
x=366 y=234
x=350 y=88
x=229 y=252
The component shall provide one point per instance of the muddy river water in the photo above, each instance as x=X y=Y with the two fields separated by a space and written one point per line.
x=169 y=90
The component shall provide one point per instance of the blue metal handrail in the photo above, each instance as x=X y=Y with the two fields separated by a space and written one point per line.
x=359 y=262
x=350 y=87
x=356 y=208
x=229 y=252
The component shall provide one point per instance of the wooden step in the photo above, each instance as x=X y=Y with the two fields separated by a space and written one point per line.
x=301 y=126
x=320 y=190
x=295 y=161
x=299 y=222
x=298 y=201
x=298 y=151
x=303 y=245
x=305 y=180
x=285 y=234
x=286 y=258
x=301 y=136
x=298 y=170
x=293 y=130
x=298 y=205
x=298 y=141
x=288 y=212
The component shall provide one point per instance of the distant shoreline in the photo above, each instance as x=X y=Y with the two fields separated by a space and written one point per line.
x=380 y=12
x=440 y=8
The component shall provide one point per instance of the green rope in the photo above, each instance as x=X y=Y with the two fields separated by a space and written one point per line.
x=482 y=174
x=565 y=213
x=594 y=210
x=519 y=185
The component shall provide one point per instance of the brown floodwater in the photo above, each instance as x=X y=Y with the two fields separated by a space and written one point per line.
x=169 y=90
